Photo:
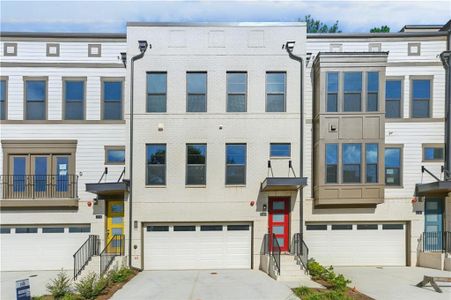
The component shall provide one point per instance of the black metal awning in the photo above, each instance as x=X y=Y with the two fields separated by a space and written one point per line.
x=438 y=188
x=283 y=183
x=107 y=188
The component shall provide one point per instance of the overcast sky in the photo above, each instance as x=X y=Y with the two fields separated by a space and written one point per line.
x=111 y=16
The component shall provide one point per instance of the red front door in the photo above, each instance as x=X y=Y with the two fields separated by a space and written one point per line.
x=279 y=220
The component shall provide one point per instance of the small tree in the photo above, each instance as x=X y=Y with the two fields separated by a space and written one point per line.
x=316 y=26
x=383 y=28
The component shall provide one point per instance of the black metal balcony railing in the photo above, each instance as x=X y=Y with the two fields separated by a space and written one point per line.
x=439 y=241
x=39 y=186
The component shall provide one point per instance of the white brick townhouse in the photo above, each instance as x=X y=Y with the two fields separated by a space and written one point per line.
x=226 y=165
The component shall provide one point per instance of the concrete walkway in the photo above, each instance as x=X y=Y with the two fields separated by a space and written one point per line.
x=395 y=283
x=204 y=285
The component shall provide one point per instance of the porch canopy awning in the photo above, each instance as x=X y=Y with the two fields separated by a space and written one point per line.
x=107 y=188
x=283 y=183
x=438 y=188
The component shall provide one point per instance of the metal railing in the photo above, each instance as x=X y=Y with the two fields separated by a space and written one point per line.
x=438 y=241
x=115 y=247
x=300 y=250
x=81 y=258
x=272 y=248
x=39 y=186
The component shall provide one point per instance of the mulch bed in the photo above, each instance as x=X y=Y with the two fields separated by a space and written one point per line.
x=109 y=291
x=350 y=292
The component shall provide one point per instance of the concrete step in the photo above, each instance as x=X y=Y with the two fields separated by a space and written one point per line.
x=292 y=277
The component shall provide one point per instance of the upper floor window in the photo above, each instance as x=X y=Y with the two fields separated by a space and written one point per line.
x=112 y=100
x=114 y=155
x=371 y=158
x=236 y=164
x=433 y=153
x=332 y=92
x=393 y=93
x=421 y=98
x=236 y=91
x=3 y=95
x=372 y=102
x=156 y=164
x=74 y=99
x=280 y=150
x=156 y=91
x=392 y=165
x=35 y=99
x=276 y=91
x=196 y=85
x=352 y=92
x=331 y=163
x=352 y=160
x=196 y=164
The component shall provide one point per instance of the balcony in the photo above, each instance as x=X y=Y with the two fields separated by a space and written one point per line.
x=29 y=191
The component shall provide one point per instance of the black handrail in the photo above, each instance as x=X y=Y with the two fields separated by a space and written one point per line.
x=39 y=186
x=271 y=247
x=115 y=247
x=437 y=241
x=300 y=250
x=81 y=258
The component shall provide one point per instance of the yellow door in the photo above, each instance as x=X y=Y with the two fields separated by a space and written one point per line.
x=115 y=226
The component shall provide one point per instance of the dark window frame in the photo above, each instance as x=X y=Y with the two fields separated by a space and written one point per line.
x=332 y=93
x=196 y=165
x=326 y=164
x=316 y=227
x=372 y=92
x=26 y=80
x=4 y=99
x=343 y=164
x=400 y=168
x=188 y=93
x=65 y=100
x=271 y=151
x=103 y=104
x=159 y=94
x=231 y=165
x=376 y=164
x=236 y=93
x=163 y=166
x=114 y=148
x=284 y=93
x=435 y=147
x=353 y=92
x=414 y=99
x=399 y=100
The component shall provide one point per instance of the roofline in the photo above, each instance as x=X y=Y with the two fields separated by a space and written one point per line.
x=215 y=24
x=71 y=35
x=374 y=35
x=427 y=26
x=447 y=26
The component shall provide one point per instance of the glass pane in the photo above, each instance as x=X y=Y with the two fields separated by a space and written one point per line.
x=156 y=175
x=331 y=154
x=196 y=83
x=238 y=227
x=197 y=103
x=35 y=90
x=353 y=81
x=352 y=102
x=433 y=153
x=112 y=91
x=156 y=83
x=53 y=230
x=332 y=103
x=116 y=156
x=184 y=228
x=2 y=90
x=278 y=217
x=237 y=83
x=331 y=174
x=195 y=175
x=117 y=220
x=74 y=110
x=236 y=154
x=2 y=110
x=392 y=157
x=352 y=153
x=420 y=109
x=373 y=82
x=278 y=205
x=62 y=165
x=35 y=110
x=332 y=82
x=157 y=228
x=371 y=153
x=373 y=102
x=156 y=103
x=40 y=172
x=421 y=89
x=117 y=231
x=26 y=230
x=196 y=154
x=112 y=110
x=275 y=83
x=74 y=90
x=280 y=150
x=392 y=176
x=236 y=103
x=117 y=208
x=280 y=241
x=156 y=154
x=19 y=171
x=235 y=174
x=351 y=173
x=211 y=228
x=275 y=103
x=392 y=109
x=393 y=89
x=371 y=173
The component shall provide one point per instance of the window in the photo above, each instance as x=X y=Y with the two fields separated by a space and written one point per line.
x=157 y=228
x=112 y=99
x=342 y=227
x=196 y=168
x=393 y=98
x=372 y=103
x=331 y=163
x=79 y=229
x=237 y=227
x=35 y=99
x=316 y=227
x=421 y=98
x=392 y=226
x=372 y=158
x=53 y=230
x=156 y=164
x=211 y=228
x=3 y=95
x=280 y=150
x=184 y=228
x=236 y=91
x=332 y=92
x=156 y=91
x=196 y=83
x=351 y=163
x=352 y=92
x=5 y=230
x=74 y=99
x=275 y=91
x=26 y=230
x=366 y=226
x=392 y=166
x=433 y=153
x=114 y=155
x=235 y=163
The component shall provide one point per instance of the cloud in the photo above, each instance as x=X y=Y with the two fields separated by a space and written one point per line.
x=104 y=16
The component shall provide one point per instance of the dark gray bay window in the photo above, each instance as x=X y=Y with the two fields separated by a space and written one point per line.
x=352 y=92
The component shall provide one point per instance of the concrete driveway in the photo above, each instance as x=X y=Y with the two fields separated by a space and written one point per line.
x=395 y=283
x=204 y=285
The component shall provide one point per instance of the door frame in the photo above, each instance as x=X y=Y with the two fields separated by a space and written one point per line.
x=286 y=223
x=108 y=218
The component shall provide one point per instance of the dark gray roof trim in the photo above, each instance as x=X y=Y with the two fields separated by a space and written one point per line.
x=381 y=53
x=374 y=35
x=433 y=188
x=283 y=183
x=215 y=24
x=447 y=26
x=70 y=35
x=431 y=26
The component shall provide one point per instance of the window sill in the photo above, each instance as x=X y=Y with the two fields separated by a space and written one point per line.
x=194 y=186
x=413 y=120
x=156 y=186
x=235 y=185
x=39 y=204
x=62 y=121
x=394 y=187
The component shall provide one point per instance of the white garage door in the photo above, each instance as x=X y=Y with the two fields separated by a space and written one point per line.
x=189 y=246
x=357 y=244
x=40 y=248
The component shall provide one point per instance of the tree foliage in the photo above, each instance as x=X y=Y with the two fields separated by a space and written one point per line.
x=383 y=28
x=316 y=26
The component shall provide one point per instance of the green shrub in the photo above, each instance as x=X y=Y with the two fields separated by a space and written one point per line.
x=339 y=282
x=119 y=275
x=60 y=286
x=302 y=291
x=90 y=286
x=315 y=269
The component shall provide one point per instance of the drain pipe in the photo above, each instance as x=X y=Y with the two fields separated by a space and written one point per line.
x=143 y=45
x=445 y=56
x=289 y=46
